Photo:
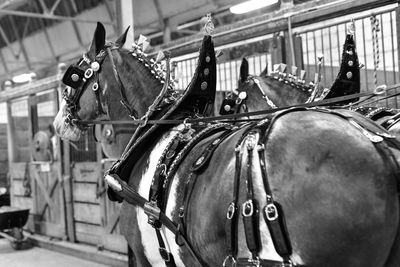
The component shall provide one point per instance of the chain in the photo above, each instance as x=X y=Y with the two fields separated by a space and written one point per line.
x=375 y=46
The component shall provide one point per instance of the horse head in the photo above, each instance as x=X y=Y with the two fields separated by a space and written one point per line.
x=101 y=86
x=267 y=92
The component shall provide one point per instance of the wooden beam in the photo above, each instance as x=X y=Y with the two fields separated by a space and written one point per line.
x=302 y=14
x=31 y=88
x=53 y=17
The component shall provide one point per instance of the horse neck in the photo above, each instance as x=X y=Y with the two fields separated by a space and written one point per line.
x=139 y=86
x=281 y=93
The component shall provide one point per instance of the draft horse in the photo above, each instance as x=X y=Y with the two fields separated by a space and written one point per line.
x=297 y=188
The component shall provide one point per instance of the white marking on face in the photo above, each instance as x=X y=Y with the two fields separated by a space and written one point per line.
x=63 y=129
x=147 y=232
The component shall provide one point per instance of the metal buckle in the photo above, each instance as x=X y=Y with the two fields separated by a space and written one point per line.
x=231 y=211
x=247 y=208
x=152 y=211
x=88 y=73
x=229 y=257
x=271 y=212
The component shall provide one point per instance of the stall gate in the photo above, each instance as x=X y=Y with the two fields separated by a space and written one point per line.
x=65 y=192
x=377 y=48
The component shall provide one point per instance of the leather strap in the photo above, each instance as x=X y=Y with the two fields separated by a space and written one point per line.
x=250 y=211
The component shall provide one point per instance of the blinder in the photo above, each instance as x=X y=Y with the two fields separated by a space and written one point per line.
x=73 y=77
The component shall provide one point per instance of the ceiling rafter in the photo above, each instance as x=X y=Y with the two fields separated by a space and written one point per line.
x=45 y=32
x=52 y=17
x=20 y=41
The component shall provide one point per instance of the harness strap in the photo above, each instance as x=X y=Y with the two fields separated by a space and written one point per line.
x=250 y=211
x=231 y=223
x=126 y=192
x=165 y=255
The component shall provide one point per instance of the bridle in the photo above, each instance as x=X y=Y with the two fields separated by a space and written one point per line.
x=81 y=75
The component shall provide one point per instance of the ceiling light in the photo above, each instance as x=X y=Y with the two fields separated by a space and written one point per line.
x=23 y=78
x=251 y=6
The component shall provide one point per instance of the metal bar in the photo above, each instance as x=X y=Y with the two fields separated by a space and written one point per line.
x=302 y=14
x=4 y=63
x=365 y=55
x=343 y=20
x=53 y=17
x=393 y=57
x=330 y=53
x=383 y=55
x=322 y=50
x=53 y=8
x=315 y=53
x=308 y=54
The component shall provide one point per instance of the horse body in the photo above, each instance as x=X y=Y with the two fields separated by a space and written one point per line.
x=335 y=187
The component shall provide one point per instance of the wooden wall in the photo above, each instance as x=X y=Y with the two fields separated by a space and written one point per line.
x=96 y=218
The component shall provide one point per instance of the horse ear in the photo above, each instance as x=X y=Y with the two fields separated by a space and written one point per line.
x=121 y=40
x=244 y=70
x=264 y=72
x=99 y=39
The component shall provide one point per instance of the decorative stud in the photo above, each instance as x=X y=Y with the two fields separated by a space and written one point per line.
x=350 y=63
x=215 y=142
x=208 y=59
x=206 y=71
x=75 y=77
x=242 y=95
x=95 y=66
x=203 y=85
x=200 y=160
x=349 y=75
x=227 y=108
x=350 y=52
x=95 y=87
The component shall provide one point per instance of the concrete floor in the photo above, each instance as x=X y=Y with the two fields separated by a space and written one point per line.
x=31 y=256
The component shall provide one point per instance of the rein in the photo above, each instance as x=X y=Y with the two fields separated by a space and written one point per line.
x=234 y=117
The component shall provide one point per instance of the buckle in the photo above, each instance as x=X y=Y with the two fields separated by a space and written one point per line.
x=153 y=212
x=231 y=211
x=247 y=208
x=88 y=73
x=232 y=259
x=164 y=254
x=271 y=212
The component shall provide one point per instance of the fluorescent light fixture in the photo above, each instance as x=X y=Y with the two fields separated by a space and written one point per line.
x=251 y=6
x=23 y=78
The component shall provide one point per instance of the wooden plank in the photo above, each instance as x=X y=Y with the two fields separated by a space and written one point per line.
x=10 y=135
x=49 y=229
x=115 y=243
x=34 y=172
x=18 y=170
x=85 y=192
x=31 y=88
x=22 y=202
x=86 y=212
x=87 y=172
x=94 y=234
x=18 y=187
x=20 y=123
